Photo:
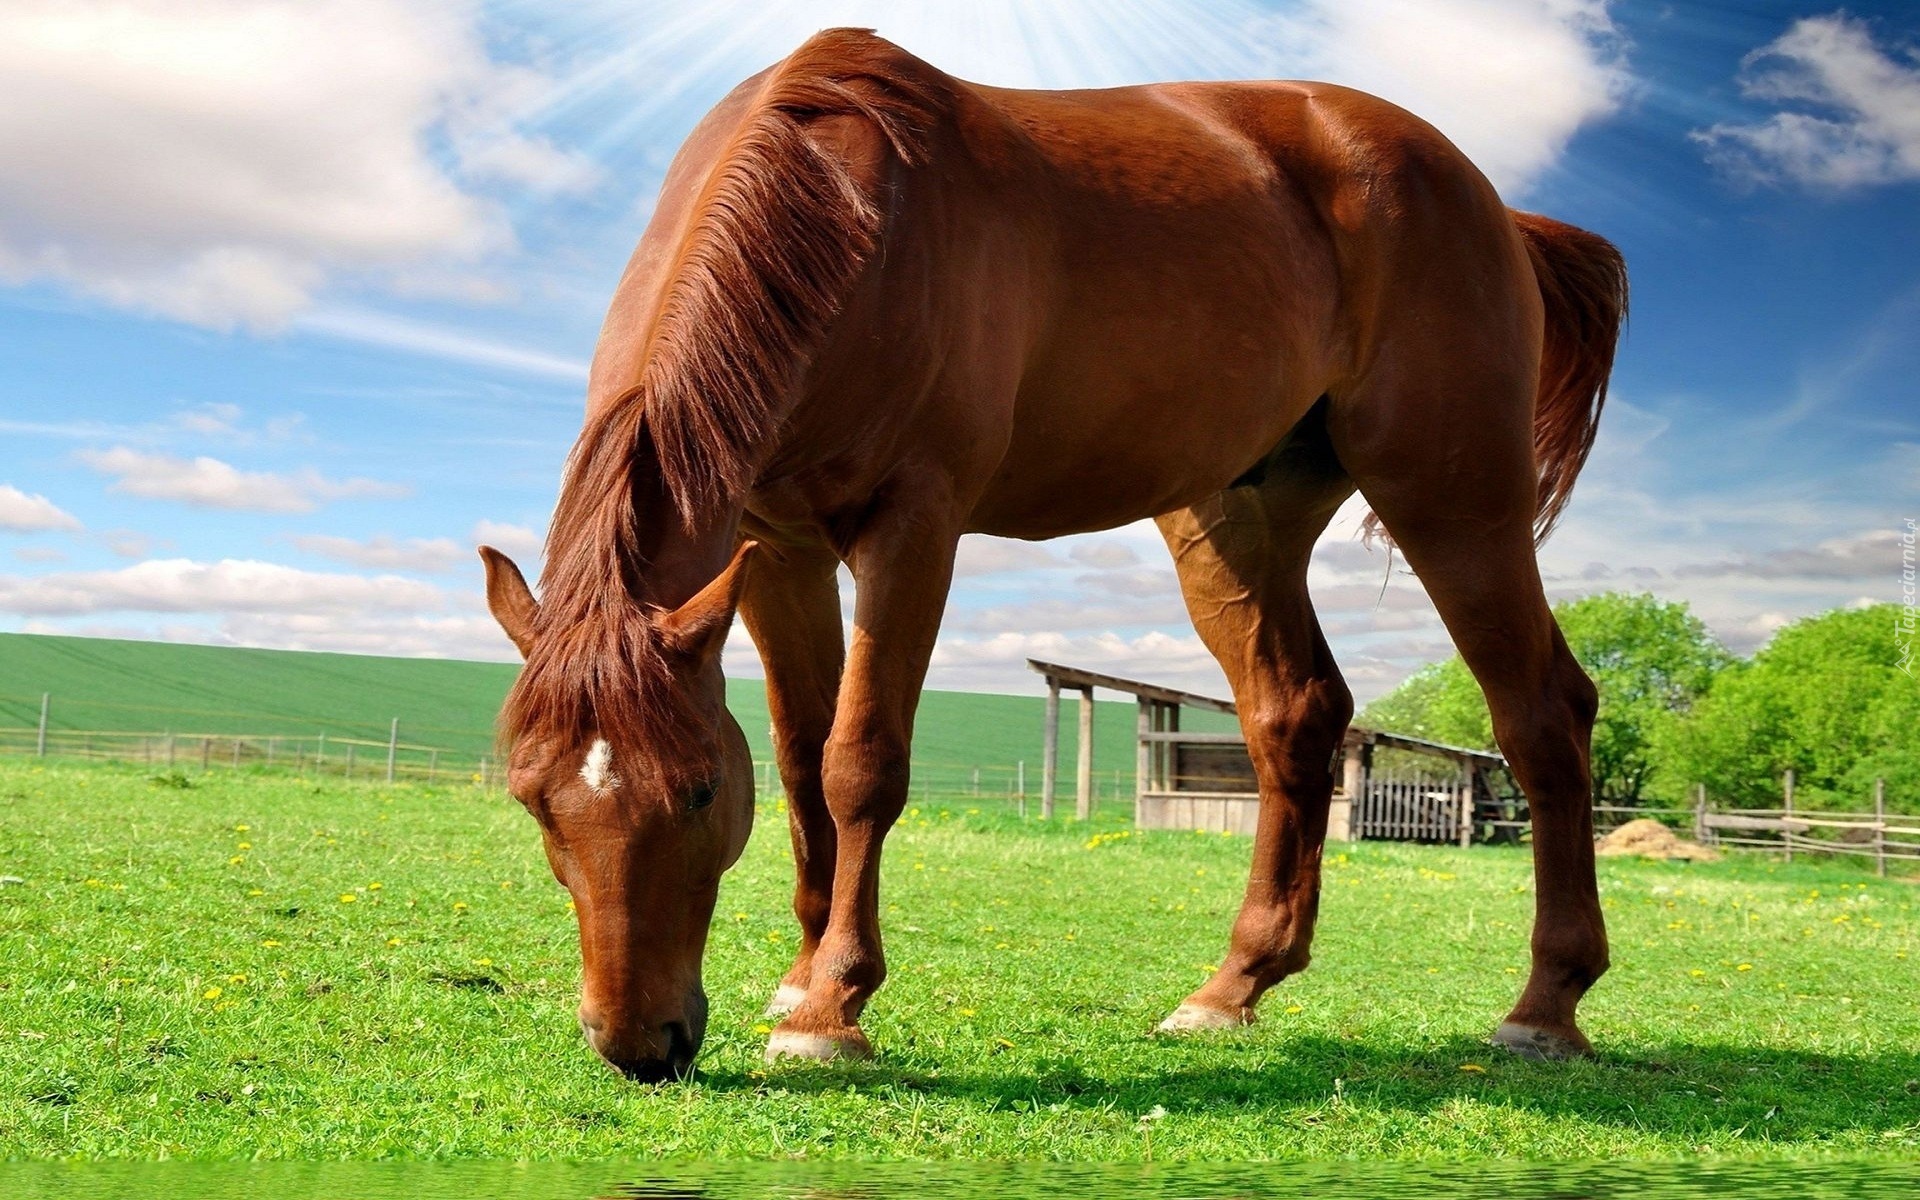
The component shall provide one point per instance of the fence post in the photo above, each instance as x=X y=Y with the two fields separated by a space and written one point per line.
x=393 y=744
x=433 y=764
x=1050 y=751
x=1786 y=815
x=169 y=749
x=1466 y=813
x=1020 y=785
x=236 y=753
x=350 y=751
x=40 y=743
x=1880 y=827
x=1700 y=813
x=320 y=755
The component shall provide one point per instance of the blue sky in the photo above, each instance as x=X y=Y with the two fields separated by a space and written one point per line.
x=296 y=297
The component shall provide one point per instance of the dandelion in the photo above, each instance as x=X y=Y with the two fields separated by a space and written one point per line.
x=348 y=897
x=255 y=892
x=271 y=944
x=1003 y=1043
x=1295 y=1008
x=373 y=887
x=966 y=1012
x=236 y=860
x=763 y=1027
x=243 y=828
x=461 y=905
x=244 y=846
x=236 y=979
x=1744 y=967
x=1697 y=973
x=482 y=962
x=212 y=993
x=1473 y=1068
x=393 y=942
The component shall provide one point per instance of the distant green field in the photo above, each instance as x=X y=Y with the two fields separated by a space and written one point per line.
x=101 y=684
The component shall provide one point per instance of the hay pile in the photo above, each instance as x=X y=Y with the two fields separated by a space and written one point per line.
x=1650 y=839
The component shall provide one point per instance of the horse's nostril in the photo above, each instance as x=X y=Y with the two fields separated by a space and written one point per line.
x=680 y=1044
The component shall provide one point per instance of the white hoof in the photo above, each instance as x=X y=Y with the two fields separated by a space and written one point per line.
x=814 y=1047
x=1191 y=1018
x=786 y=998
x=1538 y=1044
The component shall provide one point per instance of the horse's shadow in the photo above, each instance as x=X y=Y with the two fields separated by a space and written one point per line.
x=1705 y=1089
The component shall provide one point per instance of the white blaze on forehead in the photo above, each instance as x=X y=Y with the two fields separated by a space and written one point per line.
x=598 y=769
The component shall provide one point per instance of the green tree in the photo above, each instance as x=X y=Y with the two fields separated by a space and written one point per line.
x=1825 y=698
x=1651 y=659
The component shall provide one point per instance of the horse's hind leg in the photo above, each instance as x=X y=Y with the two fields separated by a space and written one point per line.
x=1242 y=558
x=1447 y=463
x=792 y=608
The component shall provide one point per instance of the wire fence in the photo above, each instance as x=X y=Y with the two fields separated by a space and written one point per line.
x=394 y=759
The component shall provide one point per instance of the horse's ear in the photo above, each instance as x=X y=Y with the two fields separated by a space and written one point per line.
x=509 y=598
x=699 y=627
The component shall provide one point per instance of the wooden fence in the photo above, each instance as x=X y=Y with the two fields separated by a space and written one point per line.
x=1788 y=830
x=1414 y=808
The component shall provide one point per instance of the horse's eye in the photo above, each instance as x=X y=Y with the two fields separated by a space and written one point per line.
x=700 y=796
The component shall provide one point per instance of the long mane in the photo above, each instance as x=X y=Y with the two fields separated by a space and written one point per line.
x=782 y=234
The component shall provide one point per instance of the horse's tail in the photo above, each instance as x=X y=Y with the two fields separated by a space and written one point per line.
x=1583 y=282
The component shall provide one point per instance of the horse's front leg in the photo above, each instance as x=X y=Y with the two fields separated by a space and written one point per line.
x=792 y=608
x=902 y=563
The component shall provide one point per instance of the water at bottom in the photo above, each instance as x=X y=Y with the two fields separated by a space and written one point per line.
x=1832 y=1179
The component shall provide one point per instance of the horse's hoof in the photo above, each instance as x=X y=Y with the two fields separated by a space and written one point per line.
x=1540 y=1045
x=1192 y=1018
x=818 y=1047
x=786 y=998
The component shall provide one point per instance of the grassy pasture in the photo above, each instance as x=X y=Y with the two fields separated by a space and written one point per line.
x=261 y=966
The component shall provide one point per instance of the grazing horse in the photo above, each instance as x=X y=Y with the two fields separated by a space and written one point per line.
x=878 y=308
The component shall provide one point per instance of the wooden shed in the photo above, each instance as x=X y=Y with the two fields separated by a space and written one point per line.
x=1204 y=780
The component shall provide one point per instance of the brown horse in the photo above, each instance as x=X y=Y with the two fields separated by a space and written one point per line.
x=878 y=308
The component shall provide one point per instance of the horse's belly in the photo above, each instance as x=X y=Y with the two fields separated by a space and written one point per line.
x=1087 y=462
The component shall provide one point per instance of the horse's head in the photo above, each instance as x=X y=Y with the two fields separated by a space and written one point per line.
x=638 y=823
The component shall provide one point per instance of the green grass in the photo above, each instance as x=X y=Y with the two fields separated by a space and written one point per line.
x=101 y=684
x=165 y=990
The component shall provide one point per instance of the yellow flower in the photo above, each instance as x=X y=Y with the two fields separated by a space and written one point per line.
x=212 y=993
x=1295 y=1008
x=236 y=979
x=393 y=941
x=482 y=962
x=763 y=1027
x=373 y=887
x=270 y=944
x=242 y=828
x=236 y=860
x=1473 y=1068
x=459 y=906
x=348 y=897
x=255 y=892
x=1744 y=967
x=244 y=846
x=1697 y=973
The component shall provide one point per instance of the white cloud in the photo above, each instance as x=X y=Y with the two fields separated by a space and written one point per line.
x=383 y=552
x=23 y=513
x=1509 y=81
x=418 y=337
x=209 y=483
x=1831 y=63
x=515 y=541
x=227 y=586
x=218 y=162
x=39 y=554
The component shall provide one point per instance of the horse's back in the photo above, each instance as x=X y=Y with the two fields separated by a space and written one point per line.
x=1213 y=258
